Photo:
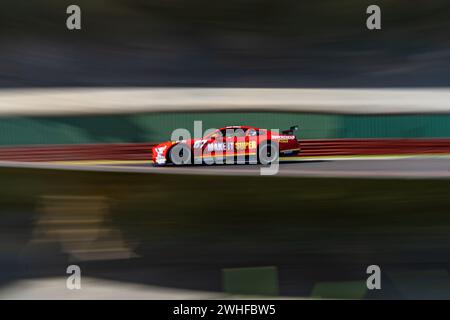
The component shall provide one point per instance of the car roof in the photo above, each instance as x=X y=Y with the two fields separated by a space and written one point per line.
x=239 y=127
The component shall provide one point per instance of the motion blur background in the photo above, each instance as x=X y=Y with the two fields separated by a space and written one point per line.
x=156 y=235
x=235 y=43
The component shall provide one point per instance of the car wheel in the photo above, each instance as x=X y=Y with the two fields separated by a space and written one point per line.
x=268 y=153
x=180 y=154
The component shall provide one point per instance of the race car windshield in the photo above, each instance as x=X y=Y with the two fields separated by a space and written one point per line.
x=235 y=133
x=215 y=134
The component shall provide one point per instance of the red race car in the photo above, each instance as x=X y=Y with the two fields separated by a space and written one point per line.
x=232 y=144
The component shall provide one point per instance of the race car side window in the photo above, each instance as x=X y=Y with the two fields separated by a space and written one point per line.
x=254 y=132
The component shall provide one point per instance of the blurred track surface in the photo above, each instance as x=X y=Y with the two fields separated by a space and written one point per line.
x=364 y=167
x=153 y=232
x=372 y=167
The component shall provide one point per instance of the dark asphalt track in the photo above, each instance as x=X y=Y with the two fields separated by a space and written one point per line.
x=329 y=236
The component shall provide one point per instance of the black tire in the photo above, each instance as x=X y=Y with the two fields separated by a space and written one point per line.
x=180 y=154
x=268 y=153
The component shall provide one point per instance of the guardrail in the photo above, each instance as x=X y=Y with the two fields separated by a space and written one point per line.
x=142 y=151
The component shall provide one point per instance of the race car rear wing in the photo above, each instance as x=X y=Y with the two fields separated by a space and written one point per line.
x=291 y=130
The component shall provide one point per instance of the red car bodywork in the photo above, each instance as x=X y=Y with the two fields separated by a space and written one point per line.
x=221 y=143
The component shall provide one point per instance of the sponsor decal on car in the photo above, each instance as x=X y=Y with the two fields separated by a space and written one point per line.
x=220 y=146
x=282 y=137
x=242 y=145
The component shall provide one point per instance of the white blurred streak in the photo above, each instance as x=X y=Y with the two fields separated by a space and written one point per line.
x=54 y=288
x=79 y=101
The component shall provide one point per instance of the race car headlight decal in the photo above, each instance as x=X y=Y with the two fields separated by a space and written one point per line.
x=160 y=158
